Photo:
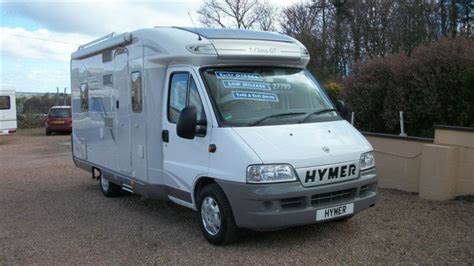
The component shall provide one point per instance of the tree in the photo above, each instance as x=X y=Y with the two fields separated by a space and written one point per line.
x=466 y=9
x=240 y=14
x=266 y=14
x=301 y=22
x=339 y=33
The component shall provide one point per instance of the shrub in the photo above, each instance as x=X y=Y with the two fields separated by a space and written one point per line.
x=333 y=90
x=434 y=85
x=31 y=120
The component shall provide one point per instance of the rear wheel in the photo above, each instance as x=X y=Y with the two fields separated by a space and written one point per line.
x=48 y=133
x=109 y=189
x=215 y=216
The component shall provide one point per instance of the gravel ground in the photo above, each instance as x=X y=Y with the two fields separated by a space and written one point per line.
x=52 y=212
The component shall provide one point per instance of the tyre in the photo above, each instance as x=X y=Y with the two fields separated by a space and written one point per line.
x=48 y=133
x=109 y=189
x=215 y=216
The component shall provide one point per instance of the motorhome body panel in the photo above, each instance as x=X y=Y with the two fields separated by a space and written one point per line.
x=306 y=144
x=241 y=50
x=102 y=127
x=8 y=122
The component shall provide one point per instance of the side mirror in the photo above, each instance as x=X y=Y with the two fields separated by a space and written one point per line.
x=341 y=108
x=187 y=121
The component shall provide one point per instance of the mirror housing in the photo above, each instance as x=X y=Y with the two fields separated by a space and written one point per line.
x=341 y=108
x=187 y=122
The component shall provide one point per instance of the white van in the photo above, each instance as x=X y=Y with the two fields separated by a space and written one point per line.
x=7 y=111
x=226 y=122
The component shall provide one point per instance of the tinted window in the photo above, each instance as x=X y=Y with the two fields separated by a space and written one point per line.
x=59 y=112
x=136 y=92
x=84 y=97
x=177 y=97
x=195 y=100
x=4 y=102
x=184 y=92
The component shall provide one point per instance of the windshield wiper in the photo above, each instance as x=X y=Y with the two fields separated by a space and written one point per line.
x=316 y=113
x=275 y=115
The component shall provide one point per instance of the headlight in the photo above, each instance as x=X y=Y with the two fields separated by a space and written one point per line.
x=367 y=160
x=270 y=173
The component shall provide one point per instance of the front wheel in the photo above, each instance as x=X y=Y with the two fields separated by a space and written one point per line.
x=109 y=189
x=215 y=216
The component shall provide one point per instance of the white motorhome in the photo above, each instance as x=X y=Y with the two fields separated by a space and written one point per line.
x=226 y=122
x=7 y=111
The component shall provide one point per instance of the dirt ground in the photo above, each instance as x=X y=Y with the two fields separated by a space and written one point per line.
x=54 y=213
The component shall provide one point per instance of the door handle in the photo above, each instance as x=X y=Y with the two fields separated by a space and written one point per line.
x=165 y=135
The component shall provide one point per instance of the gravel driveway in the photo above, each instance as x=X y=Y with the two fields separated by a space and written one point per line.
x=52 y=212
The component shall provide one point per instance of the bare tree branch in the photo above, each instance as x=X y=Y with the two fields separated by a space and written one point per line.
x=241 y=14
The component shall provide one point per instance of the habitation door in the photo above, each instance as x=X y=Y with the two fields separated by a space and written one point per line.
x=123 y=108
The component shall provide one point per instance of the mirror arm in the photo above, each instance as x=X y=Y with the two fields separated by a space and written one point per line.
x=201 y=128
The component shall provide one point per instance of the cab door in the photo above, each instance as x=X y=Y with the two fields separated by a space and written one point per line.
x=183 y=159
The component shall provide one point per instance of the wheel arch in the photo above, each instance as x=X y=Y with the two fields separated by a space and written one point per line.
x=201 y=182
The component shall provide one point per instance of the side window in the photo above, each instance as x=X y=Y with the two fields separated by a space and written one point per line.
x=177 y=95
x=195 y=100
x=84 y=97
x=184 y=92
x=137 y=92
x=4 y=102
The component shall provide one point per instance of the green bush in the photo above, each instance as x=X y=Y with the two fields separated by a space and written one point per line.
x=32 y=111
x=434 y=85
x=333 y=90
x=31 y=120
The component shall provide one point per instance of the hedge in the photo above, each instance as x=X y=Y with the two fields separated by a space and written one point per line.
x=433 y=85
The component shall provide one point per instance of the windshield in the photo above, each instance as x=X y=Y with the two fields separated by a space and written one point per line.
x=59 y=112
x=247 y=96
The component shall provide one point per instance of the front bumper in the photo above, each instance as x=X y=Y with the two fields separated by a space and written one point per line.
x=59 y=127
x=276 y=206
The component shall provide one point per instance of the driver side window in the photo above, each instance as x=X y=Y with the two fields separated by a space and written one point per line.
x=183 y=92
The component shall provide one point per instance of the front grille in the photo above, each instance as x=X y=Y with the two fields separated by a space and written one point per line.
x=292 y=202
x=334 y=197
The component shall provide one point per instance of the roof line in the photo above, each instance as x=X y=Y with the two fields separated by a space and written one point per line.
x=203 y=34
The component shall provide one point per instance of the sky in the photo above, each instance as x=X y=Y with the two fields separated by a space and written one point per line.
x=38 y=37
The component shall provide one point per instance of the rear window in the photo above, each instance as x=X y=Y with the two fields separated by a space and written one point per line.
x=4 y=102
x=59 y=112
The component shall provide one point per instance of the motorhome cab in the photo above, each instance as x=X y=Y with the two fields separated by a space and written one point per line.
x=8 y=122
x=226 y=122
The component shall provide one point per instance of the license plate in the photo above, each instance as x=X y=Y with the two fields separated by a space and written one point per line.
x=58 y=122
x=333 y=212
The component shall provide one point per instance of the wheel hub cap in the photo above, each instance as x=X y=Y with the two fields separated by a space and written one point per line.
x=211 y=216
x=105 y=184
